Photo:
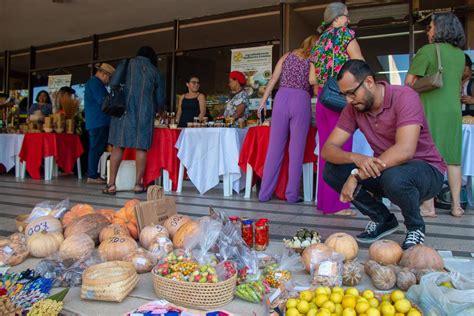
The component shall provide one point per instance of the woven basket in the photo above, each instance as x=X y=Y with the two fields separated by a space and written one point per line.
x=20 y=222
x=109 y=281
x=195 y=295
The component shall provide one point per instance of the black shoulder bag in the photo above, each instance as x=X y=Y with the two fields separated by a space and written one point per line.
x=114 y=102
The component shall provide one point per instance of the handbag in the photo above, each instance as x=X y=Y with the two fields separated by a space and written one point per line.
x=435 y=81
x=330 y=96
x=114 y=102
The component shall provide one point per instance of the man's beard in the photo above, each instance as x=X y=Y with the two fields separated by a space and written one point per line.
x=367 y=101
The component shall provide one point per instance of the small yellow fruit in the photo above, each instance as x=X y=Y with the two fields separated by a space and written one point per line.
x=403 y=305
x=397 y=295
x=373 y=302
x=362 y=307
x=313 y=305
x=338 y=289
x=320 y=290
x=303 y=307
x=413 y=312
x=312 y=312
x=352 y=291
x=336 y=297
x=368 y=294
x=348 y=301
x=328 y=290
x=330 y=306
x=320 y=299
x=306 y=296
x=386 y=298
x=361 y=299
x=399 y=314
x=339 y=309
x=323 y=312
x=373 y=312
x=292 y=312
x=291 y=302
x=447 y=284
x=387 y=310
x=349 y=312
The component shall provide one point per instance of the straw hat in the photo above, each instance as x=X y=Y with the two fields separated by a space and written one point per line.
x=108 y=69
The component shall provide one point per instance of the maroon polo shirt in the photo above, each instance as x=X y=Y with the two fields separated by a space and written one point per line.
x=401 y=106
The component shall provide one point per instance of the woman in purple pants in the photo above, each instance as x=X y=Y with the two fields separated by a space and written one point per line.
x=336 y=45
x=291 y=118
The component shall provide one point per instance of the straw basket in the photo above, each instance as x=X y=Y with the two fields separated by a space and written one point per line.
x=20 y=222
x=195 y=295
x=109 y=281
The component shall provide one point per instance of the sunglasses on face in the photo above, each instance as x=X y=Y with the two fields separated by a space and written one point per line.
x=352 y=93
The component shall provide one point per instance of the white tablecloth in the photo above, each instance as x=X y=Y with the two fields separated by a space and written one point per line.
x=10 y=146
x=467 y=165
x=208 y=153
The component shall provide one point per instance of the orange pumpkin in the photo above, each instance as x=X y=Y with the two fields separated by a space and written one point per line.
x=131 y=203
x=76 y=211
x=127 y=218
x=107 y=213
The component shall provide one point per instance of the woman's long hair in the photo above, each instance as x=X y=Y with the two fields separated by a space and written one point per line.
x=305 y=48
x=48 y=99
x=448 y=29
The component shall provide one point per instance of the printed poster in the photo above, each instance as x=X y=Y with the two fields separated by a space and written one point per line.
x=256 y=64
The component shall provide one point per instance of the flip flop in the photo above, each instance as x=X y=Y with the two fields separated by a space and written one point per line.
x=428 y=213
x=457 y=212
x=107 y=190
x=142 y=190
x=346 y=212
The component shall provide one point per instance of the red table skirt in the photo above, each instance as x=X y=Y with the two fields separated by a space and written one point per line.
x=65 y=148
x=161 y=155
x=254 y=151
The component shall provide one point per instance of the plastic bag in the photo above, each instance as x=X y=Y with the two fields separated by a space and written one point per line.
x=141 y=259
x=438 y=300
x=281 y=273
x=201 y=243
x=13 y=250
x=326 y=268
x=46 y=208
x=225 y=270
x=160 y=248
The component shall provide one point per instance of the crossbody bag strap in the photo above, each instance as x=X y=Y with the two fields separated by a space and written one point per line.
x=438 y=53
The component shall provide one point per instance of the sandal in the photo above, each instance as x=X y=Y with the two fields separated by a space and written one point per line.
x=346 y=212
x=457 y=212
x=428 y=213
x=142 y=189
x=107 y=190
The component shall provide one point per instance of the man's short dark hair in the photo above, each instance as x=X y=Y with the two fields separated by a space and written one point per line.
x=67 y=89
x=358 y=68
x=468 y=62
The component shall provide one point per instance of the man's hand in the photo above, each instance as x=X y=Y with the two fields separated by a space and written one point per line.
x=467 y=99
x=347 y=193
x=371 y=166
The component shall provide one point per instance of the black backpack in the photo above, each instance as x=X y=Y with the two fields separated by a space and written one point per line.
x=114 y=102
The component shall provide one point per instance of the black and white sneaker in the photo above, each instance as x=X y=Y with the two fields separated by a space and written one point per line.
x=414 y=237
x=374 y=231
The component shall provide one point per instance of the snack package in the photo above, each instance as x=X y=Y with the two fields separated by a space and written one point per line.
x=159 y=249
x=141 y=259
x=279 y=274
x=13 y=250
x=326 y=269
x=46 y=208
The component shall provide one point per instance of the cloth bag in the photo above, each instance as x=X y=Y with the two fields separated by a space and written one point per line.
x=435 y=81
x=114 y=102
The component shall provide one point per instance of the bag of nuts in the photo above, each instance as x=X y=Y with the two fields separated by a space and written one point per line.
x=327 y=270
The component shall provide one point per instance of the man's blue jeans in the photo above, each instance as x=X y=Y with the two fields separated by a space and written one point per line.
x=406 y=186
x=97 y=142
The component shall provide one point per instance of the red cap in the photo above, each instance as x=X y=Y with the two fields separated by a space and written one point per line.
x=240 y=77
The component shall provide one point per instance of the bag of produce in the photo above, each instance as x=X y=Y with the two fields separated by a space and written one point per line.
x=48 y=208
x=280 y=273
x=326 y=268
x=441 y=293
x=204 y=241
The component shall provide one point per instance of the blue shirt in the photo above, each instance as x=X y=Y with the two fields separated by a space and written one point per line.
x=46 y=109
x=94 y=95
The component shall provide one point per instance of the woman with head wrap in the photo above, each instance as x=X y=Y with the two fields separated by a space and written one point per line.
x=336 y=45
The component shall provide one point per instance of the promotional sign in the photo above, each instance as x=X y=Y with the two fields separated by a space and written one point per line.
x=256 y=64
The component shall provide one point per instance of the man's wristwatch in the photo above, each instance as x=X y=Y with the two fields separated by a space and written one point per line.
x=355 y=173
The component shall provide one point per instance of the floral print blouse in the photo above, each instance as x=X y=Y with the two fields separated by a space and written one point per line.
x=239 y=98
x=331 y=51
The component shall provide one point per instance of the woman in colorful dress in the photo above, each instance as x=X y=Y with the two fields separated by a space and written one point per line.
x=291 y=119
x=336 y=45
x=238 y=106
x=443 y=106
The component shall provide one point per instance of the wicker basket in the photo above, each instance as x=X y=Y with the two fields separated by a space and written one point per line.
x=195 y=295
x=109 y=281
x=20 y=222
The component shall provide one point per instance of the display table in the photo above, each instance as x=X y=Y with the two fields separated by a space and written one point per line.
x=64 y=149
x=254 y=152
x=207 y=154
x=161 y=155
x=10 y=145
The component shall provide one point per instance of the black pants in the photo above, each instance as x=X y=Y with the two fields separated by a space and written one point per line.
x=407 y=186
x=97 y=142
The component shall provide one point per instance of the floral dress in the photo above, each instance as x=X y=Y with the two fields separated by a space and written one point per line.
x=239 y=98
x=331 y=51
